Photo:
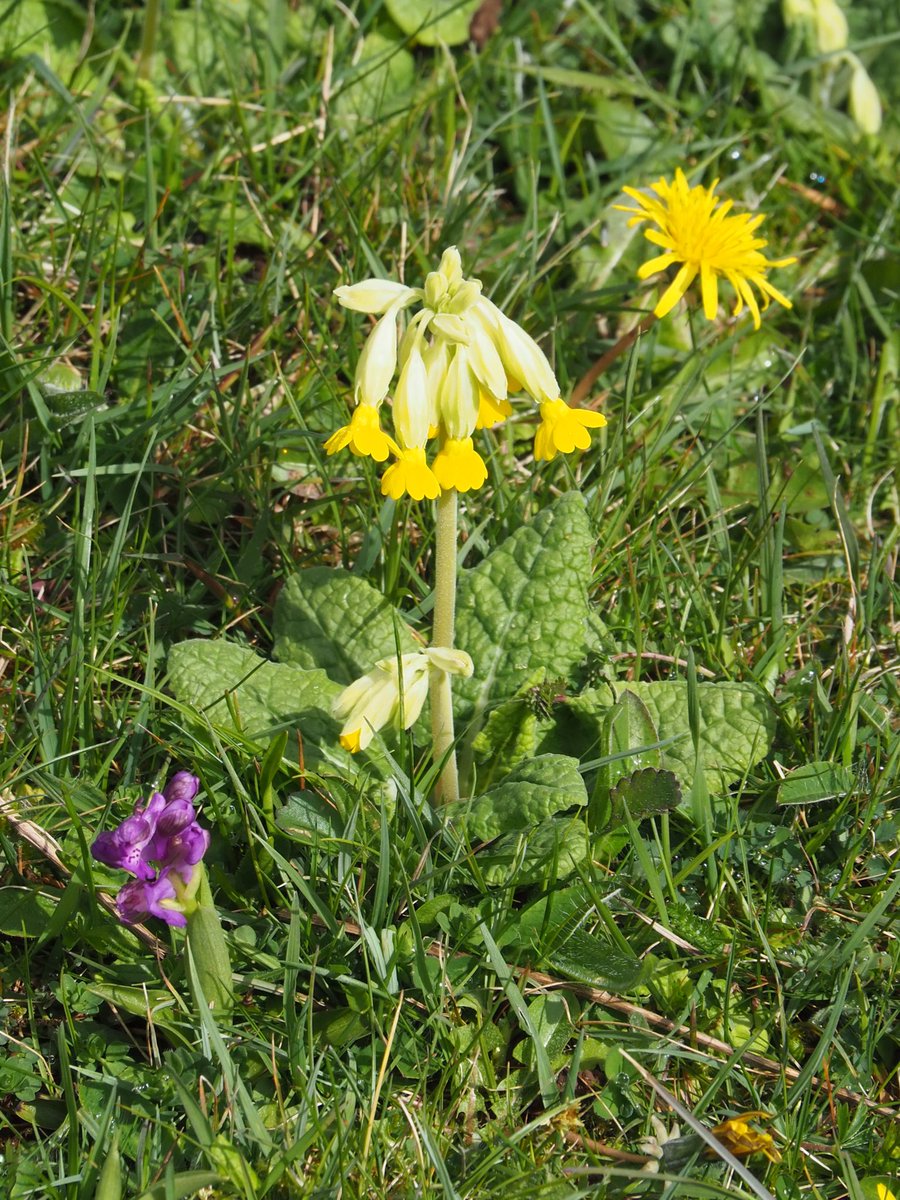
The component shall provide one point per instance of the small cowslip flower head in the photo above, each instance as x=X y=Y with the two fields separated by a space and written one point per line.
x=564 y=429
x=738 y=1135
x=459 y=465
x=458 y=360
x=695 y=230
x=164 y=832
x=363 y=435
x=392 y=693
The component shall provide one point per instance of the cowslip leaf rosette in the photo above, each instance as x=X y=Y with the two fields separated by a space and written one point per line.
x=459 y=359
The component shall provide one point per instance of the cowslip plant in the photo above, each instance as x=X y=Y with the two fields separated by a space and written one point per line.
x=543 y=764
x=162 y=845
x=459 y=359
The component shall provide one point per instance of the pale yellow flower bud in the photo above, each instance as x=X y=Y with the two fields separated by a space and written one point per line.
x=378 y=361
x=393 y=692
x=451 y=268
x=458 y=401
x=435 y=288
x=374 y=295
x=451 y=662
x=411 y=411
x=522 y=357
x=832 y=33
x=865 y=103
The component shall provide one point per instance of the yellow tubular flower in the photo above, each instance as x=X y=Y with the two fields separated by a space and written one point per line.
x=458 y=360
x=694 y=228
x=490 y=410
x=459 y=465
x=392 y=693
x=564 y=429
x=411 y=476
x=363 y=435
x=738 y=1136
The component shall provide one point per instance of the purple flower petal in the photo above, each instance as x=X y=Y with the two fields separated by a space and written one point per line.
x=137 y=900
x=182 y=786
x=176 y=816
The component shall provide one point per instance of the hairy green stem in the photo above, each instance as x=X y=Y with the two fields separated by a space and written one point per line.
x=442 y=635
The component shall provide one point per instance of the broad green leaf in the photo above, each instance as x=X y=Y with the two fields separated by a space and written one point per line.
x=647 y=793
x=25 y=912
x=509 y=734
x=309 y=814
x=385 y=74
x=52 y=31
x=815 y=782
x=552 y=929
x=535 y=789
x=232 y=686
x=429 y=22
x=597 y=961
x=325 y=617
x=525 y=607
x=737 y=725
x=699 y=931
x=550 y=852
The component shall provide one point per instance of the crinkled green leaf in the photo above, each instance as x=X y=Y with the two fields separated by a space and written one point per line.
x=219 y=679
x=699 y=931
x=325 y=617
x=737 y=725
x=307 y=814
x=535 y=789
x=549 y=852
x=647 y=793
x=525 y=607
x=429 y=22
x=509 y=734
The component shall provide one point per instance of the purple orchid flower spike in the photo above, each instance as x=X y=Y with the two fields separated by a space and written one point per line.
x=126 y=847
x=164 y=832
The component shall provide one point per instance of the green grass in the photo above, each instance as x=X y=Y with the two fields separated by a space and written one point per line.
x=170 y=365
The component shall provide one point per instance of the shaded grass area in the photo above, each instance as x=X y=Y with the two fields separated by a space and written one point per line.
x=171 y=362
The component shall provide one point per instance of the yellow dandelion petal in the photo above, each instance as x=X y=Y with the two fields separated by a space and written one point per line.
x=459 y=465
x=698 y=230
x=411 y=476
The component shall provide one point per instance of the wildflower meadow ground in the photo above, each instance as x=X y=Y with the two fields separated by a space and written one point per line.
x=448 y=606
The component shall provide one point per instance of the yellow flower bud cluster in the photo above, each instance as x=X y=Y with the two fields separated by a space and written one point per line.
x=456 y=363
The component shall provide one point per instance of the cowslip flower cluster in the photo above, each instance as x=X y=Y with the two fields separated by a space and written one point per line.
x=393 y=692
x=459 y=359
x=696 y=229
x=161 y=844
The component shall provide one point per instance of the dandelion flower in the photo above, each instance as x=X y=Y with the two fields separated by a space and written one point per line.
x=696 y=229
